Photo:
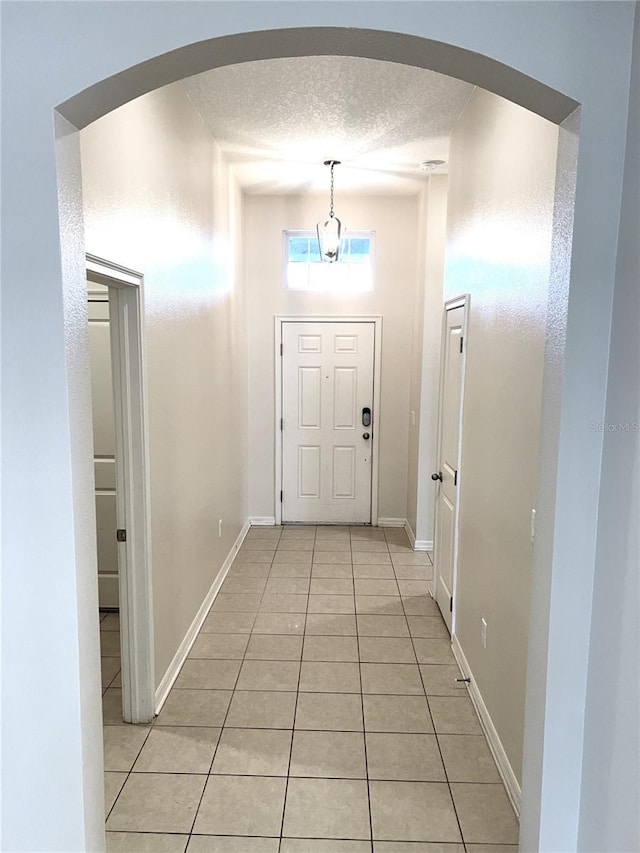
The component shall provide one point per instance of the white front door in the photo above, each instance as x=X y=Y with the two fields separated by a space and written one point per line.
x=449 y=454
x=327 y=398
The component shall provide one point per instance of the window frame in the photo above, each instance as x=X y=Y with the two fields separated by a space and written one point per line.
x=312 y=234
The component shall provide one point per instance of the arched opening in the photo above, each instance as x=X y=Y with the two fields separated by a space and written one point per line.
x=482 y=71
x=94 y=102
x=116 y=91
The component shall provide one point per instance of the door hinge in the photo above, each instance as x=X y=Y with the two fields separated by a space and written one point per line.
x=280 y=349
x=121 y=535
x=455 y=478
x=281 y=493
x=281 y=424
x=451 y=605
x=461 y=343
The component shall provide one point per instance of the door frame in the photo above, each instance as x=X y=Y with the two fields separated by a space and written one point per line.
x=464 y=302
x=377 y=364
x=126 y=290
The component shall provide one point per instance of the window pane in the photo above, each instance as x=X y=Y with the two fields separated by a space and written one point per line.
x=314 y=250
x=305 y=270
x=360 y=278
x=298 y=276
x=299 y=250
x=359 y=250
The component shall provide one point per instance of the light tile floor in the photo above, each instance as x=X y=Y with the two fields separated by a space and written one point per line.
x=317 y=712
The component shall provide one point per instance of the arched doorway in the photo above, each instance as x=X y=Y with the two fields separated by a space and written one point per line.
x=71 y=260
x=547 y=103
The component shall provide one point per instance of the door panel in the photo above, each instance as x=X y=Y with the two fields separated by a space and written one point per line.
x=346 y=343
x=103 y=444
x=327 y=379
x=309 y=343
x=309 y=398
x=101 y=380
x=344 y=472
x=447 y=494
x=309 y=472
x=446 y=528
x=105 y=533
x=345 y=384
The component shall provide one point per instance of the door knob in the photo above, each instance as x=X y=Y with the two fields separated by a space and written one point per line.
x=365 y=435
x=437 y=476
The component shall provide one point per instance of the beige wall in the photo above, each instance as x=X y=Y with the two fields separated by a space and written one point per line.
x=395 y=220
x=501 y=187
x=425 y=364
x=609 y=818
x=416 y=362
x=158 y=199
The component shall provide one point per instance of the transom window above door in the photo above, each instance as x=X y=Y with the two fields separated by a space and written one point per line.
x=304 y=270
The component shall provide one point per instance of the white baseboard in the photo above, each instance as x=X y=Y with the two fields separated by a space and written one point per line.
x=267 y=521
x=495 y=744
x=408 y=529
x=417 y=544
x=189 y=638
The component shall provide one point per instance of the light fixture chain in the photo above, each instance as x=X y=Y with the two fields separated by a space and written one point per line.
x=329 y=232
x=331 y=205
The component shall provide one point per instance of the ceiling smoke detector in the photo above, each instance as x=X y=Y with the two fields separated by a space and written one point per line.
x=430 y=165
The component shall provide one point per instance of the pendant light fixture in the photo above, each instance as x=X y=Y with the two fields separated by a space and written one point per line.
x=329 y=233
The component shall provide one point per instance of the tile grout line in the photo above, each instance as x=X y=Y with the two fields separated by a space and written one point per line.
x=444 y=768
x=295 y=707
x=111 y=682
x=130 y=771
x=215 y=751
x=312 y=731
x=364 y=728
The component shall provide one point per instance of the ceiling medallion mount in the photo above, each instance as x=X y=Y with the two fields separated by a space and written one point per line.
x=431 y=165
x=330 y=232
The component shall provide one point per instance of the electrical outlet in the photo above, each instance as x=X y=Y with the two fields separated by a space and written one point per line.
x=219 y=528
x=413 y=418
x=483 y=633
x=533 y=525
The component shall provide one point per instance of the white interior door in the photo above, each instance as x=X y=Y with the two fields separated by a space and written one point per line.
x=448 y=476
x=116 y=341
x=327 y=384
x=103 y=444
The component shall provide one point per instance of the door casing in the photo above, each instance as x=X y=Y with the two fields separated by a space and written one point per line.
x=377 y=362
x=458 y=302
x=132 y=485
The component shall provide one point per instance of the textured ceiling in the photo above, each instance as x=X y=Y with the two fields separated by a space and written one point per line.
x=277 y=120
